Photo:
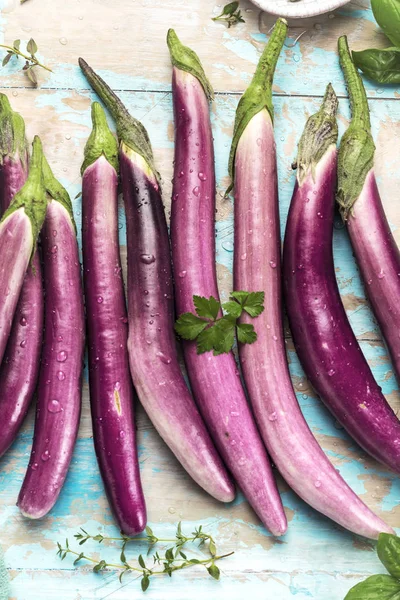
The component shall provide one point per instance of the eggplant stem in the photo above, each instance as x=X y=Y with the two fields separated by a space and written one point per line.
x=355 y=86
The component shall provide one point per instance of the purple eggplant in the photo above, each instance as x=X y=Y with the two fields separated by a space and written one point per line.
x=361 y=207
x=19 y=229
x=214 y=380
x=20 y=367
x=289 y=441
x=111 y=392
x=60 y=378
x=153 y=357
x=326 y=345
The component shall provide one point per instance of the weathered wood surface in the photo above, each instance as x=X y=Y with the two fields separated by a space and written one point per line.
x=125 y=40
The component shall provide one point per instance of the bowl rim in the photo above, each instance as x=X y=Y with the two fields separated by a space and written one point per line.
x=298 y=10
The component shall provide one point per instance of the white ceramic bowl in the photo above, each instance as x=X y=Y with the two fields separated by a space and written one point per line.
x=298 y=10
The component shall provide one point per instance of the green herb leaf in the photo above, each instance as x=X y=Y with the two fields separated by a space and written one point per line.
x=141 y=561
x=230 y=14
x=387 y=15
x=149 y=531
x=6 y=58
x=207 y=339
x=246 y=333
x=377 y=587
x=78 y=558
x=32 y=47
x=389 y=553
x=145 y=582
x=169 y=555
x=189 y=327
x=206 y=307
x=225 y=328
x=254 y=303
x=381 y=65
x=32 y=75
x=233 y=308
x=214 y=571
x=16 y=44
x=212 y=547
x=100 y=566
x=230 y=8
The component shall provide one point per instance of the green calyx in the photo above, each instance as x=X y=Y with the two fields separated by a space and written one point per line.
x=259 y=93
x=12 y=133
x=186 y=59
x=55 y=191
x=101 y=141
x=321 y=132
x=129 y=130
x=357 y=148
x=32 y=196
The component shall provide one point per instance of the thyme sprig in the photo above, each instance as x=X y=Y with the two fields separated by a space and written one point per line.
x=31 y=60
x=231 y=14
x=171 y=559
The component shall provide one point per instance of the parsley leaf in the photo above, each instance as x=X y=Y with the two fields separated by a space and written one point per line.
x=226 y=335
x=207 y=339
x=246 y=333
x=252 y=303
x=206 y=307
x=189 y=327
x=233 y=308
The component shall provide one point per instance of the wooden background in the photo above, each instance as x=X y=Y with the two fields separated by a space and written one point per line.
x=125 y=41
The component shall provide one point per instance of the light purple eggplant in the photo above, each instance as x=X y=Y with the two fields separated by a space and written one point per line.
x=60 y=378
x=326 y=345
x=111 y=392
x=214 y=380
x=20 y=367
x=361 y=207
x=289 y=441
x=19 y=229
x=153 y=357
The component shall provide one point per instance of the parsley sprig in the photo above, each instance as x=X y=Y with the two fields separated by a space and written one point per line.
x=31 y=60
x=217 y=333
x=166 y=562
x=230 y=14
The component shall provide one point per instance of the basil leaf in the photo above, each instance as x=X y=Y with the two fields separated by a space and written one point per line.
x=382 y=66
x=389 y=553
x=377 y=587
x=387 y=15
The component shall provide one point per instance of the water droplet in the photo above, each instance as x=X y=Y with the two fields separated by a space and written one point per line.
x=318 y=26
x=273 y=416
x=68 y=137
x=99 y=299
x=59 y=338
x=234 y=414
x=54 y=406
x=117 y=386
x=147 y=259
x=15 y=93
x=379 y=91
x=60 y=375
x=272 y=264
x=23 y=344
x=117 y=270
x=172 y=510
x=228 y=246
x=381 y=274
x=196 y=190
x=116 y=27
x=305 y=396
x=35 y=466
x=23 y=322
x=63 y=41
x=181 y=174
x=165 y=359
x=122 y=434
x=80 y=18
x=331 y=372
x=317 y=484
x=241 y=461
x=182 y=274
x=202 y=177
x=274 y=337
x=259 y=141
x=45 y=456
x=62 y=356
x=53 y=249
x=243 y=256
x=296 y=58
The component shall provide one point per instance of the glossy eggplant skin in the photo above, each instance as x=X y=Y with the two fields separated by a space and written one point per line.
x=289 y=440
x=214 y=380
x=378 y=259
x=154 y=364
x=60 y=378
x=327 y=347
x=111 y=391
x=20 y=366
